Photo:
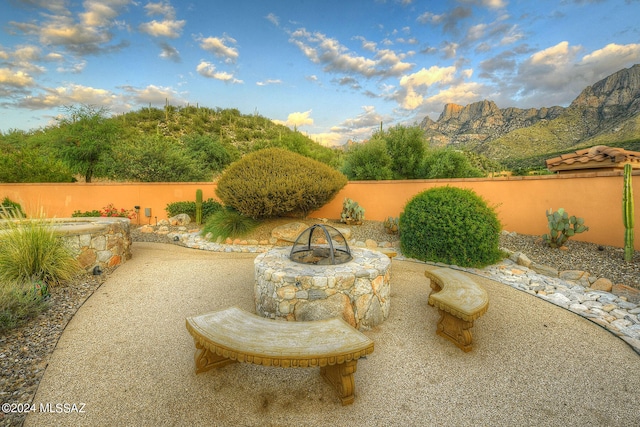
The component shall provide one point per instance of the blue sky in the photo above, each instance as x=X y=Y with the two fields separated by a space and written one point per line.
x=333 y=69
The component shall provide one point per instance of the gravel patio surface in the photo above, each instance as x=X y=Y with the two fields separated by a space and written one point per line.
x=127 y=359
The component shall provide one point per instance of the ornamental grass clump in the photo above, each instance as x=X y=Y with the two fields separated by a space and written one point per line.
x=275 y=182
x=19 y=303
x=450 y=225
x=228 y=222
x=31 y=251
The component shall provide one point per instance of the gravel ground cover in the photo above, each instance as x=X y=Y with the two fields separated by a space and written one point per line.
x=24 y=351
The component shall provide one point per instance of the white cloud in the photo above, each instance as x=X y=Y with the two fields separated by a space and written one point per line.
x=165 y=28
x=336 y=58
x=17 y=79
x=219 y=47
x=68 y=95
x=415 y=85
x=269 y=82
x=297 y=119
x=614 y=55
x=207 y=69
x=152 y=94
x=101 y=13
x=273 y=19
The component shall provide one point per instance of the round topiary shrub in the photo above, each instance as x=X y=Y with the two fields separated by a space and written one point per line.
x=450 y=225
x=276 y=182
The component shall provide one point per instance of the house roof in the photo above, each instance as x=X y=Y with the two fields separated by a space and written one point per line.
x=597 y=157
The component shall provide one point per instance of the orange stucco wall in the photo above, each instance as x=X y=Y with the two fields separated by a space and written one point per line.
x=521 y=202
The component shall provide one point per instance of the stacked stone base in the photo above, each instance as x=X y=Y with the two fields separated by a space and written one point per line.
x=97 y=242
x=358 y=291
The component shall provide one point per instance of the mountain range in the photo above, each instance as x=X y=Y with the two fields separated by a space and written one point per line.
x=605 y=113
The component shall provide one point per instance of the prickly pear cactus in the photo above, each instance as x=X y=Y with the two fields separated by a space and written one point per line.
x=562 y=227
x=627 y=213
x=391 y=225
x=352 y=212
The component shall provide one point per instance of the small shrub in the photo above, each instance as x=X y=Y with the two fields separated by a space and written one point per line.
x=209 y=207
x=275 y=182
x=228 y=223
x=561 y=227
x=11 y=209
x=19 y=303
x=112 y=211
x=352 y=212
x=30 y=251
x=450 y=225
x=107 y=211
x=79 y=214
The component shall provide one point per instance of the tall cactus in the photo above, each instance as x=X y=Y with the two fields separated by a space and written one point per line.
x=198 y=206
x=627 y=213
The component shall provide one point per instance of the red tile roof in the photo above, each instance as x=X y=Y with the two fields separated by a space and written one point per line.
x=597 y=157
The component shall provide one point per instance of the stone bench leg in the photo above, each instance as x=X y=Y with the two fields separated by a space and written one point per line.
x=455 y=329
x=205 y=360
x=340 y=376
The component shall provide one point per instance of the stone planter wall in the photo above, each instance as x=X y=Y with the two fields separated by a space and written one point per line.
x=98 y=242
x=358 y=291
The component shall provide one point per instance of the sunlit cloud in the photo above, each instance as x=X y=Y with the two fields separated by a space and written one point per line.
x=297 y=119
x=414 y=86
x=207 y=69
x=269 y=82
x=68 y=95
x=219 y=46
x=15 y=78
x=167 y=27
x=151 y=94
x=336 y=58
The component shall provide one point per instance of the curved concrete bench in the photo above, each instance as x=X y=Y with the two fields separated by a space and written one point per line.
x=460 y=301
x=233 y=335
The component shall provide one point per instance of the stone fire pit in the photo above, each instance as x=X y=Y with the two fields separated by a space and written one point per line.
x=358 y=290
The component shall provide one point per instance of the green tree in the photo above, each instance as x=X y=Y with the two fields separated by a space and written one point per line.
x=154 y=159
x=209 y=153
x=30 y=165
x=368 y=161
x=87 y=138
x=406 y=147
x=448 y=163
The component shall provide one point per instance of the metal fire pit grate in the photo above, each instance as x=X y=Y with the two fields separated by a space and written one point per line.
x=320 y=245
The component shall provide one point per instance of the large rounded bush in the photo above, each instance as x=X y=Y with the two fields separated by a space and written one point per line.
x=275 y=182
x=450 y=225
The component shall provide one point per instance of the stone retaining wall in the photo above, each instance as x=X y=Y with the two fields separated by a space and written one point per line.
x=97 y=242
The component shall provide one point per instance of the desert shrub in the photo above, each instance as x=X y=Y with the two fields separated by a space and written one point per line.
x=448 y=163
x=108 y=211
x=80 y=214
x=18 y=303
x=228 y=222
x=275 y=182
x=450 y=225
x=9 y=208
x=368 y=161
x=31 y=251
x=209 y=207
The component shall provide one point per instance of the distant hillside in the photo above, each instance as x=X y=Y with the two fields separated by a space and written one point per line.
x=244 y=132
x=606 y=113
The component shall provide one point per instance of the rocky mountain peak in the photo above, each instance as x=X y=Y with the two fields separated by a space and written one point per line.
x=616 y=94
x=604 y=105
